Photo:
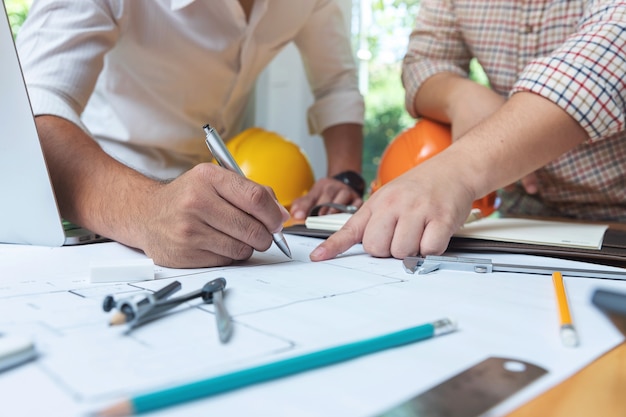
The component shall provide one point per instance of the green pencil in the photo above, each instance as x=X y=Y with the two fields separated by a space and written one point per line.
x=239 y=379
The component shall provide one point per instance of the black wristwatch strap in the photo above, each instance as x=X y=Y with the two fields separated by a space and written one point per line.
x=353 y=180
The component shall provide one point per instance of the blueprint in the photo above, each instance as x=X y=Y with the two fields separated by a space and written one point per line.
x=280 y=308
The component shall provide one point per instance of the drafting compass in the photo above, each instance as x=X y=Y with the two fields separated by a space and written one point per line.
x=137 y=310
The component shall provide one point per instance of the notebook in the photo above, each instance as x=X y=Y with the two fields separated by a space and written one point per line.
x=28 y=210
x=611 y=240
x=511 y=230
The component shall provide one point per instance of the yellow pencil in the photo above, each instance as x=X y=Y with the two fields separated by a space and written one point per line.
x=568 y=332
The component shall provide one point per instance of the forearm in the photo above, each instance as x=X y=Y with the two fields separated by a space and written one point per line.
x=433 y=199
x=344 y=148
x=435 y=98
x=453 y=99
x=207 y=216
x=92 y=189
x=525 y=134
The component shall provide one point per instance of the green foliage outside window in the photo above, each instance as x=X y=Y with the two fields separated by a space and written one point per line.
x=17 y=11
x=385 y=113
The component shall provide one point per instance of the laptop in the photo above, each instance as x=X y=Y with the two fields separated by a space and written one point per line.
x=28 y=209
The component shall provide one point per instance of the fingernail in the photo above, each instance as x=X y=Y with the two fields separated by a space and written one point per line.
x=280 y=229
x=299 y=215
x=318 y=253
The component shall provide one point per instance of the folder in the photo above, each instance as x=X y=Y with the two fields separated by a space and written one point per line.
x=611 y=250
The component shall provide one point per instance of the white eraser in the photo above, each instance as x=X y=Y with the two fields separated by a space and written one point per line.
x=569 y=336
x=122 y=271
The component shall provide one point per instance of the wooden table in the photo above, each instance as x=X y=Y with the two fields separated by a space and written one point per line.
x=599 y=390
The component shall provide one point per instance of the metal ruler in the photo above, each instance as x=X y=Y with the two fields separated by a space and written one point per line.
x=472 y=392
x=425 y=265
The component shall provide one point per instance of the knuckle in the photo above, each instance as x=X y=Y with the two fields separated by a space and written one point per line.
x=376 y=250
x=241 y=251
x=432 y=247
x=183 y=231
x=206 y=172
x=189 y=202
x=402 y=253
x=257 y=194
x=259 y=237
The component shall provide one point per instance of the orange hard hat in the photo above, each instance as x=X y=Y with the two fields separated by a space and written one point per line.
x=269 y=159
x=413 y=146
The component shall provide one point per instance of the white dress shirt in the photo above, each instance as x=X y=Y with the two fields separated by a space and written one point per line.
x=144 y=76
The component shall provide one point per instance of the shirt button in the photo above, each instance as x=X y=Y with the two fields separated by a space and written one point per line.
x=529 y=29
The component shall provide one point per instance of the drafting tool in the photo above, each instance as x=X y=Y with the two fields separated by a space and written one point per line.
x=132 y=307
x=472 y=392
x=165 y=305
x=225 y=159
x=428 y=264
x=224 y=322
x=206 y=293
x=15 y=350
x=567 y=330
x=273 y=370
x=138 y=310
x=211 y=292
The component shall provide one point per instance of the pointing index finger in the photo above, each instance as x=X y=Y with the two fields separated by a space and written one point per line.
x=349 y=235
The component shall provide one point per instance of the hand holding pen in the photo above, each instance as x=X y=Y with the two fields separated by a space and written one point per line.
x=226 y=160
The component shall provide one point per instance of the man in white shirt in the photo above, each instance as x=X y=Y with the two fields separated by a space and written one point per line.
x=142 y=77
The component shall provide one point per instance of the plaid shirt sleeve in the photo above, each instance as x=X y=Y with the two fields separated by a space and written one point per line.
x=586 y=76
x=435 y=46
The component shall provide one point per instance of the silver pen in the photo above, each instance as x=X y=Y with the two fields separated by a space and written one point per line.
x=226 y=160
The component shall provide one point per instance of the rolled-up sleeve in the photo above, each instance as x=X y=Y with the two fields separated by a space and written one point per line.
x=586 y=76
x=435 y=46
x=62 y=53
x=329 y=62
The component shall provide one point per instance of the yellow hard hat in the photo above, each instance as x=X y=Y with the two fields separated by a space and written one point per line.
x=269 y=159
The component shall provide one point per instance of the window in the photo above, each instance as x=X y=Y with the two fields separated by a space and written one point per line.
x=381 y=31
x=17 y=11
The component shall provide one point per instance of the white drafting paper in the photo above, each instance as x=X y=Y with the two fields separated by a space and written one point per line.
x=282 y=308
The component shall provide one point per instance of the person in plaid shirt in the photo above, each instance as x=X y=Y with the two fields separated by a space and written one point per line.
x=552 y=123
